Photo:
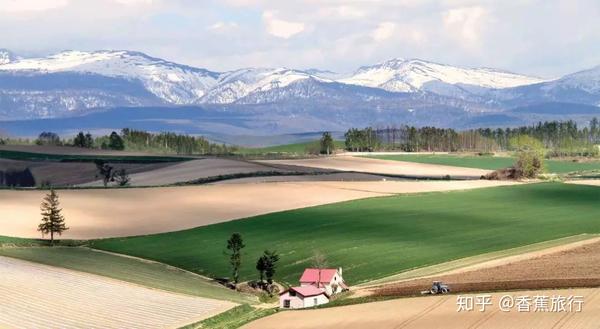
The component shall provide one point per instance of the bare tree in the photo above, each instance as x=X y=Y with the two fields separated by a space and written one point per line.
x=319 y=262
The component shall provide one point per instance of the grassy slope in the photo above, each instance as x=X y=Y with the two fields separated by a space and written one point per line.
x=297 y=148
x=149 y=274
x=488 y=162
x=234 y=318
x=378 y=237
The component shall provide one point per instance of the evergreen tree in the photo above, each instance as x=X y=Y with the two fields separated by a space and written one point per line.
x=271 y=259
x=88 y=141
x=52 y=220
x=261 y=265
x=235 y=244
x=115 y=142
x=79 y=140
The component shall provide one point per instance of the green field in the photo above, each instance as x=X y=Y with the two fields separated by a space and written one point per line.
x=296 y=148
x=488 y=162
x=378 y=237
x=128 y=269
x=32 y=156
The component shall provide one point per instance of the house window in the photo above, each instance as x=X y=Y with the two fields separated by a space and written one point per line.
x=315 y=301
x=292 y=293
x=286 y=303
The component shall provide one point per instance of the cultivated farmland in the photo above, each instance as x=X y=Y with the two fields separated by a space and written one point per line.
x=40 y=296
x=141 y=272
x=97 y=213
x=379 y=166
x=378 y=237
x=566 y=267
x=487 y=162
x=431 y=312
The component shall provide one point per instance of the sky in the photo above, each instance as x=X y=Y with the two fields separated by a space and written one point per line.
x=544 y=38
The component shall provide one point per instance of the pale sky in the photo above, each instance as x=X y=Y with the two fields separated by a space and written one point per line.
x=546 y=38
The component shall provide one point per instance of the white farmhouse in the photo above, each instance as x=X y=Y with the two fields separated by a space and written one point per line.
x=316 y=287
x=301 y=297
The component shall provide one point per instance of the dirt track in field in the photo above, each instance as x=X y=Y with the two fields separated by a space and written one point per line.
x=576 y=266
x=387 y=167
x=591 y=182
x=97 y=213
x=439 y=312
x=41 y=296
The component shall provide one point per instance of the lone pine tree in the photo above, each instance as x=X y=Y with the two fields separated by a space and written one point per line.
x=52 y=220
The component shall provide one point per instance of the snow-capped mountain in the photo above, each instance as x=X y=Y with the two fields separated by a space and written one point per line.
x=6 y=56
x=400 y=75
x=397 y=91
x=234 y=86
x=174 y=83
x=587 y=81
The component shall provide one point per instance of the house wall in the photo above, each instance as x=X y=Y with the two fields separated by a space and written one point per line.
x=310 y=301
x=295 y=301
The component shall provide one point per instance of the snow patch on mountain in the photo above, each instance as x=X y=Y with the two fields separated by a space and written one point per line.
x=400 y=75
x=236 y=85
x=6 y=56
x=587 y=80
x=174 y=83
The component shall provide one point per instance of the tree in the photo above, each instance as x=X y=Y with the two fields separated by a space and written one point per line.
x=319 y=262
x=530 y=156
x=271 y=259
x=79 y=140
x=235 y=244
x=121 y=177
x=115 y=142
x=48 y=138
x=83 y=140
x=105 y=171
x=327 y=144
x=52 y=220
x=261 y=265
x=89 y=141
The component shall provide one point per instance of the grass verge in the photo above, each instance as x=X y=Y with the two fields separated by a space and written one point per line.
x=234 y=318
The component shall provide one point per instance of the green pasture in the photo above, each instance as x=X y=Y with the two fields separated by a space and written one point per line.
x=378 y=237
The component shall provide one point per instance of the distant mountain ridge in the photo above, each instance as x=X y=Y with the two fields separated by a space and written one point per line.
x=413 y=91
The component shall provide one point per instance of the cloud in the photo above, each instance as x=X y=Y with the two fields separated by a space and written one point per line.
x=466 y=24
x=135 y=2
x=518 y=35
x=19 y=6
x=384 y=31
x=223 y=26
x=280 y=28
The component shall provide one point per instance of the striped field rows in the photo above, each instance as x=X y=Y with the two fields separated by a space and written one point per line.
x=40 y=296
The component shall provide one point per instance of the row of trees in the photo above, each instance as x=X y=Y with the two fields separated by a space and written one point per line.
x=561 y=138
x=172 y=143
x=139 y=140
x=265 y=265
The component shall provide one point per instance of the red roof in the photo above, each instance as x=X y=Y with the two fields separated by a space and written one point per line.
x=311 y=275
x=308 y=291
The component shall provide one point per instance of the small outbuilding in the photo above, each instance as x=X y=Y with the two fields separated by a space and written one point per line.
x=301 y=297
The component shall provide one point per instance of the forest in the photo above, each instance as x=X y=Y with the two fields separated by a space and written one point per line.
x=559 y=138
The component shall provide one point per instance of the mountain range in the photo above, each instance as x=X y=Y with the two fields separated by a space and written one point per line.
x=283 y=100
